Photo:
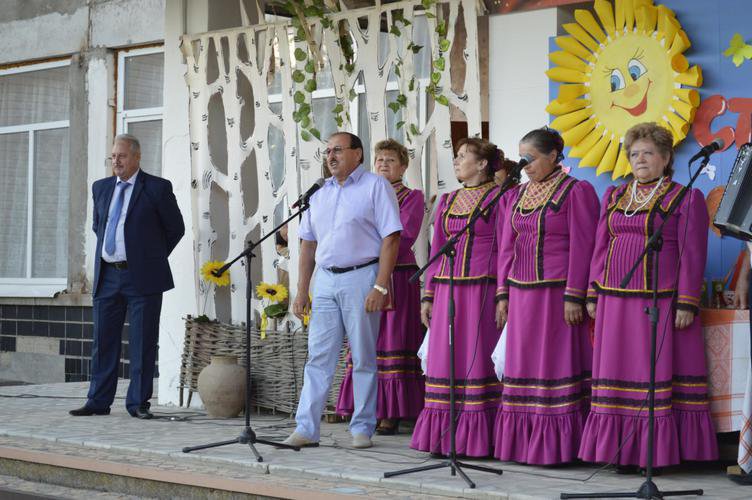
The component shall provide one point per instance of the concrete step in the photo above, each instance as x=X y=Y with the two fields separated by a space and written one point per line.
x=144 y=475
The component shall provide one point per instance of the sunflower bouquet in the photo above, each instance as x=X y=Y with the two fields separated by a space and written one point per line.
x=275 y=295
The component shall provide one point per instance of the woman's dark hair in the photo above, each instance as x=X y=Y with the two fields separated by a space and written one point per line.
x=546 y=140
x=660 y=136
x=484 y=150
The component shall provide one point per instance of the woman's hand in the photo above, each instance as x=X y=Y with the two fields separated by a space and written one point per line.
x=425 y=313
x=684 y=318
x=502 y=313
x=573 y=313
x=591 y=307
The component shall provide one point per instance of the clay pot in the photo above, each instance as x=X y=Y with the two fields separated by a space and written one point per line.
x=221 y=385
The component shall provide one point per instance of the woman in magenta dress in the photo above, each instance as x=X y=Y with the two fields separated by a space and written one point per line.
x=476 y=387
x=545 y=255
x=617 y=427
x=400 y=380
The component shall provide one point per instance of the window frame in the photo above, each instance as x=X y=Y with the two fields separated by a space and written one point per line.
x=124 y=117
x=28 y=286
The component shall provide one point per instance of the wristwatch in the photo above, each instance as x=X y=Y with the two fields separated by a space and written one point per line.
x=380 y=289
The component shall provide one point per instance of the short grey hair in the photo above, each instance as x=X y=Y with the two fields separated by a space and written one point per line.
x=130 y=139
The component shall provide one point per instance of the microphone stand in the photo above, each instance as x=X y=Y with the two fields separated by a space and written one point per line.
x=649 y=489
x=247 y=435
x=448 y=249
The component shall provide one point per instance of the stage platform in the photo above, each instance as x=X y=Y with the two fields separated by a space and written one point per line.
x=40 y=441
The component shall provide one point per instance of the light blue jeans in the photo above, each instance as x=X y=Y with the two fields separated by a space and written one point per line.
x=338 y=309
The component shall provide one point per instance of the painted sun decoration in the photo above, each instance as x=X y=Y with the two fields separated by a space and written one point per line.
x=627 y=69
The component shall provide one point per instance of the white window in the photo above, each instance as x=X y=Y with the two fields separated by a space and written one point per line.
x=34 y=179
x=139 y=102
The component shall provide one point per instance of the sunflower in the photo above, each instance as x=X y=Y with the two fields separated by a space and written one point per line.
x=208 y=269
x=274 y=293
x=629 y=68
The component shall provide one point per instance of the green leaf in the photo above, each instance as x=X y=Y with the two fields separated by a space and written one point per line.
x=435 y=77
x=305 y=122
x=427 y=3
x=297 y=117
x=444 y=45
x=337 y=109
x=339 y=121
x=298 y=97
x=299 y=34
x=310 y=11
x=305 y=135
x=310 y=67
x=414 y=129
x=441 y=28
x=298 y=76
x=411 y=85
x=397 y=71
x=402 y=99
x=300 y=54
x=395 y=30
x=349 y=67
x=439 y=64
x=416 y=48
x=400 y=124
x=442 y=99
x=409 y=139
x=315 y=133
x=304 y=109
x=394 y=106
x=430 y=15
x=352 y=94
x=276 y=310
x=310 y=85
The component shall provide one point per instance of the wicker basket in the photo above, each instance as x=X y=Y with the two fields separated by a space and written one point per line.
x=277 y=362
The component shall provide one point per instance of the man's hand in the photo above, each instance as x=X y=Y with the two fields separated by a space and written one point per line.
x=591 y=307
x=573 y=314
x=301 y=306
x=376 y=301
x=425 y=313
x=502 y=313
x=684 y=318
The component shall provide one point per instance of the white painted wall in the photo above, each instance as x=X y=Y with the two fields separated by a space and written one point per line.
x=120 y=23
x=49 y=35
x=180 y=301
x=518 y=85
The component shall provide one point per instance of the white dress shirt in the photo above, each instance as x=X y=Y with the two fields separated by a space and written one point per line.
x=119 y=254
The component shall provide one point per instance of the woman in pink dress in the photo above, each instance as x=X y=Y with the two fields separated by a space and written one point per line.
x=617 y=427
x=477 y=388
x=545 y=256
x=400 y=380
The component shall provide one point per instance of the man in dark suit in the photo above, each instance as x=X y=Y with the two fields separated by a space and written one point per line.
x=138 y=224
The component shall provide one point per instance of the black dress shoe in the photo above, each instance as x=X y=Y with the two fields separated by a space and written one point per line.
x=85 y=411
x=143 y=414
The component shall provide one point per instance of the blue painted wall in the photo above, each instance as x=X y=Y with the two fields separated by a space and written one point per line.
x=710 y=24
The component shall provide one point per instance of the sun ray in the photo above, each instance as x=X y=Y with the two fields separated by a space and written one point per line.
x=558 y=108
x=565 y=122
x=593 y=157
x=577 y=133
x=587 y=21
x=581 y=149
x=568 y=60
x=603 y=91
x=582 y=36
x=606 y=14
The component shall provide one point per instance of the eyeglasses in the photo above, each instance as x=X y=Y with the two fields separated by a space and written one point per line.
x=337 y=150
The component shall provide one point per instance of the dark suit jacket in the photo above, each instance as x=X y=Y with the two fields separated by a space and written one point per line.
x=153 y=226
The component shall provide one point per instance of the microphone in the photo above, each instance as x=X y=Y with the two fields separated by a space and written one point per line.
x=307 y=195
x=708 y=150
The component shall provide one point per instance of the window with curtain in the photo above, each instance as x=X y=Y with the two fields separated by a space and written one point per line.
x=34 y=177
x=140 y=97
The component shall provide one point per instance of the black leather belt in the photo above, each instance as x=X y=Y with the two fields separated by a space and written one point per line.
x=117 y=265
x=340 y=270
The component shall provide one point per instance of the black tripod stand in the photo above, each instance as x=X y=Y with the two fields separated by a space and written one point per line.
x=449 y=250
x=247 y=435
x=648 y=489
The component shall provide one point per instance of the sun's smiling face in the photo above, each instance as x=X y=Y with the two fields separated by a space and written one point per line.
x=623 y=68
x=629 y=82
